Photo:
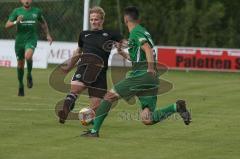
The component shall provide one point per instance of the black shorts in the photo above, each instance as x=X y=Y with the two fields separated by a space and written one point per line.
x=94 y=78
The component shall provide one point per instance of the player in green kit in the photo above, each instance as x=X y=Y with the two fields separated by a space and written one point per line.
x=27 y=19
x=142 y=81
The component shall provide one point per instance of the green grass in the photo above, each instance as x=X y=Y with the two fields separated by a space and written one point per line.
x=29 y=127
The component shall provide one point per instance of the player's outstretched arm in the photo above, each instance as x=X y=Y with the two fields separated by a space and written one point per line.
x=150 y=58
x=44 y=26
x=121 y=51
x=72 y=62
x=124 y=55
x=10 y=24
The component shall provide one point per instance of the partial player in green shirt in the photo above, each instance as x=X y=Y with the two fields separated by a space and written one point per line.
x=137 y=38
x=142 y=81
x=26 y=19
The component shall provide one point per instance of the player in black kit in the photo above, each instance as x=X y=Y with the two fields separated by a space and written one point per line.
x=92 y=54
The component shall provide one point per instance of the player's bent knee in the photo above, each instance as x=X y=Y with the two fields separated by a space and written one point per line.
x=77 y=87
x=29 y=54
x=146 y=117
x=20 y=64
x=28 y=58
x=147 y=122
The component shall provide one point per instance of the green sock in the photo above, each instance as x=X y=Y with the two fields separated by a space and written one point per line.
x=101 y=113
x=161 y=114
x=20 y=73
x=29 y=67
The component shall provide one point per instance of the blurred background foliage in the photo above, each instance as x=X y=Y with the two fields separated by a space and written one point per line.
x=200 y=23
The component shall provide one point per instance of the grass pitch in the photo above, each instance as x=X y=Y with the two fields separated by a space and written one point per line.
x=29 y=127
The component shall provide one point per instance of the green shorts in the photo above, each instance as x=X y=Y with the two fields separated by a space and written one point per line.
x=145 y=87
x=20 y=48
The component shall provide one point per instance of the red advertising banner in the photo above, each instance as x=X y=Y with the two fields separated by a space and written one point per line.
x=5 y=63
x=199 y=58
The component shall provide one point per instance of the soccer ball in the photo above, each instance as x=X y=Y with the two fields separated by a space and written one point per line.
x=86 y=116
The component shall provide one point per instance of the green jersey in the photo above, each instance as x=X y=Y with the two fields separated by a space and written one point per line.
x=138 y=36
x=28 y=28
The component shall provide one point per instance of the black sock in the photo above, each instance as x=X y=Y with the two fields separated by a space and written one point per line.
x=20 y=73
x=70 y=100
x=29 y=68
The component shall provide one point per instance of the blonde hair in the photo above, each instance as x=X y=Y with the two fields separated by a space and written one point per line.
x=97 y=10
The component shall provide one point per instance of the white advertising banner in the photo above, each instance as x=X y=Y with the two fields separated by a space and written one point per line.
x=61 y=51
x=7 y=54
x=116 y=59
x=8 y=57
x=44 y=53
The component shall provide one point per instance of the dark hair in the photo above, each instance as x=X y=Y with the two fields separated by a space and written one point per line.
x=132 y=12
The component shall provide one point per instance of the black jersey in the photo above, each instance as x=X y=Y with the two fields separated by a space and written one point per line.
x=98 y=43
